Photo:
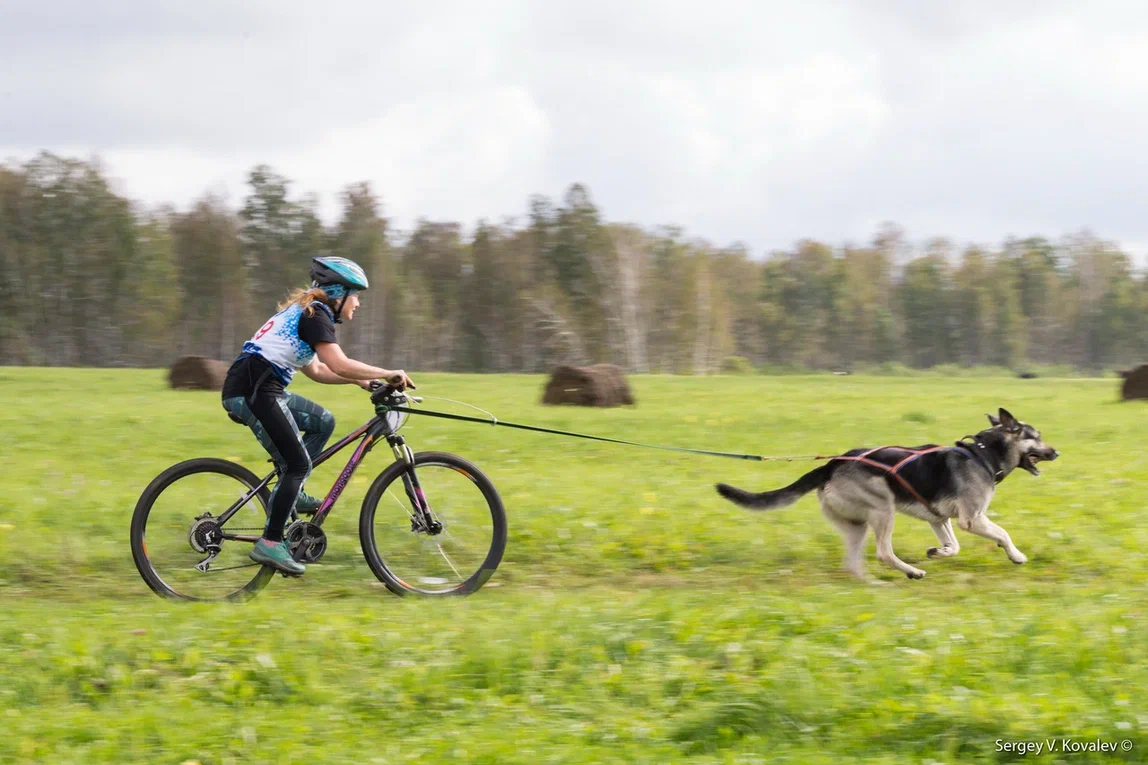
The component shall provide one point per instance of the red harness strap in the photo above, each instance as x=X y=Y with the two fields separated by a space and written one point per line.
x=893 y=470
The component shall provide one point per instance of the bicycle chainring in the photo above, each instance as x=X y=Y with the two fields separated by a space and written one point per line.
x=306 y=541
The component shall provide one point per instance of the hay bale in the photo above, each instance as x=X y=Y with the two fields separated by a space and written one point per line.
x=1135 y=383
x=613 y=376
x=197 y=373
x=597 y=385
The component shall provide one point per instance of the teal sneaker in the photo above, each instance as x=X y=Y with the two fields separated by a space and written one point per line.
x=276 y=555
x=307 y=504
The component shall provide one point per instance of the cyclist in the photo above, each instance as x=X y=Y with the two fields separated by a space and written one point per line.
x=301 y=336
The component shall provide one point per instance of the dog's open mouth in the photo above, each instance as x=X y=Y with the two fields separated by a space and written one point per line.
x=1028 y=462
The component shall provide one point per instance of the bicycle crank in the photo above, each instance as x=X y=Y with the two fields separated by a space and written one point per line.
x=305 y=541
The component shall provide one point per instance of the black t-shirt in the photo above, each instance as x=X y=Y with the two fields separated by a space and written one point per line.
x=319 y=327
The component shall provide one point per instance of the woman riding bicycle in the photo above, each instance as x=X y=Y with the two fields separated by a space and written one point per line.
x=301 y=336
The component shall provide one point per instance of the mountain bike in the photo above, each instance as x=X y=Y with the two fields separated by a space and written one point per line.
x=431 y=523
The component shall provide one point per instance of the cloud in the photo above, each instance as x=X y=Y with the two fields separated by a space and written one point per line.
x=752 y=121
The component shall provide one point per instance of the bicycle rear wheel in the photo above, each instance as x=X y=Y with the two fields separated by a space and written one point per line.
x=173 y=531
x=408 y=559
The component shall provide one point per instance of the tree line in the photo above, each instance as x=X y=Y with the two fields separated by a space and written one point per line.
x=90 y=278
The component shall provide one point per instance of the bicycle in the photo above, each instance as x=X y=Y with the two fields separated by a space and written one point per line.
x=190 y=513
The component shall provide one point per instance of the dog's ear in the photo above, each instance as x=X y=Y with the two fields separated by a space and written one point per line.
x=993 y=419
x=1008 y=422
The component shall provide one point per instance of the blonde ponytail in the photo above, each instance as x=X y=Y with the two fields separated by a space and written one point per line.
x=305 y=297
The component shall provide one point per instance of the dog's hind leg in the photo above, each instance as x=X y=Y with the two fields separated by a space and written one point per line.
x=980 y=525
x=882 y=522
x=854 y=533
x=949 y=544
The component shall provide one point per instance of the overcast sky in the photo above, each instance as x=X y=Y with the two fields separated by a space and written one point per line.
x=760 y=122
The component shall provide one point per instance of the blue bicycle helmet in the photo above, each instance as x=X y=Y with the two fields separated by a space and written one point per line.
x=339 y=278
x=331 y=270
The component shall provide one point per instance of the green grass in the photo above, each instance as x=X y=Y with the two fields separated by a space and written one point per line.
x=636 y=616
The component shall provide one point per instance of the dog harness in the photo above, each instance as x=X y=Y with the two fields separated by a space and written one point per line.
x=912 y=454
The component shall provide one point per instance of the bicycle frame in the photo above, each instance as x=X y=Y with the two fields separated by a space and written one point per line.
x=370 y=432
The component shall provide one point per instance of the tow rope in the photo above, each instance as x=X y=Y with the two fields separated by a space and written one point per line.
x=890 y=471
x=552 y=431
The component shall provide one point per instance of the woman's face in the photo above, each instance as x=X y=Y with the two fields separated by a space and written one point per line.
x=349 y=306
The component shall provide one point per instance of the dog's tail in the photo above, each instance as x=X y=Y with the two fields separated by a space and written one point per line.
x=772 y=500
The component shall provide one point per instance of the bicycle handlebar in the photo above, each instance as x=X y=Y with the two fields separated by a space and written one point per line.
x=381 y=391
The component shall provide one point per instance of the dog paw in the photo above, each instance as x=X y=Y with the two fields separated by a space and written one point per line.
x=933 y=552
x=915 y=574
x=1019 y=558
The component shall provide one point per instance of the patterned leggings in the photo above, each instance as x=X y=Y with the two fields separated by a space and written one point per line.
x=294 y=431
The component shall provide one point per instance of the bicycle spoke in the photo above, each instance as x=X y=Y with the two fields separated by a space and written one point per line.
x=399 y=502
x=450 y=563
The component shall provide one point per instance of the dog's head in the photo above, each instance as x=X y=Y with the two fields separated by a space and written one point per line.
x=1023 y=446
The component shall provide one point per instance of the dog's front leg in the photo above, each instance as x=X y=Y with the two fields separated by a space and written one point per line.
x=949 y=544
x=980 y=525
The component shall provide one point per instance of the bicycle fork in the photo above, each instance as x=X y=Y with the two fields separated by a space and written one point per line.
x=423 y=518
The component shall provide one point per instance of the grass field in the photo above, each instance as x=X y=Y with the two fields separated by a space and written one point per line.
x=636 y=617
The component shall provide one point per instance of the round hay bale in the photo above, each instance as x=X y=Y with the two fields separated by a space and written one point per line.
x=612 y=380
x=197 y=373
x=598 y=385
x=1135 y=383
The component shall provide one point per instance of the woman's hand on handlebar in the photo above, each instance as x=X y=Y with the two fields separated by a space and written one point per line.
x=398 y=379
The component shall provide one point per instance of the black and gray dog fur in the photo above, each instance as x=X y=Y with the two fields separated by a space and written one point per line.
x=956 y=483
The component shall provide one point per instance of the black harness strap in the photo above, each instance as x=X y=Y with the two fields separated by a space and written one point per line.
x=254 y=388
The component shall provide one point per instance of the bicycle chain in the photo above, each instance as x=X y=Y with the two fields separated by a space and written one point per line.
x=242 y=565
x=232 y=568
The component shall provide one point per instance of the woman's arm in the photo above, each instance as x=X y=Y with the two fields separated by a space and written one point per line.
x=321 y=373
x=336 y=361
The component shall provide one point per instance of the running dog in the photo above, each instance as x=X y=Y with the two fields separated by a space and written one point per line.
x=865 y=488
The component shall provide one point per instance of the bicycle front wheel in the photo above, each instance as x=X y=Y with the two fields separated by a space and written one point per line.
x=178 y=546
x=456 y=559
